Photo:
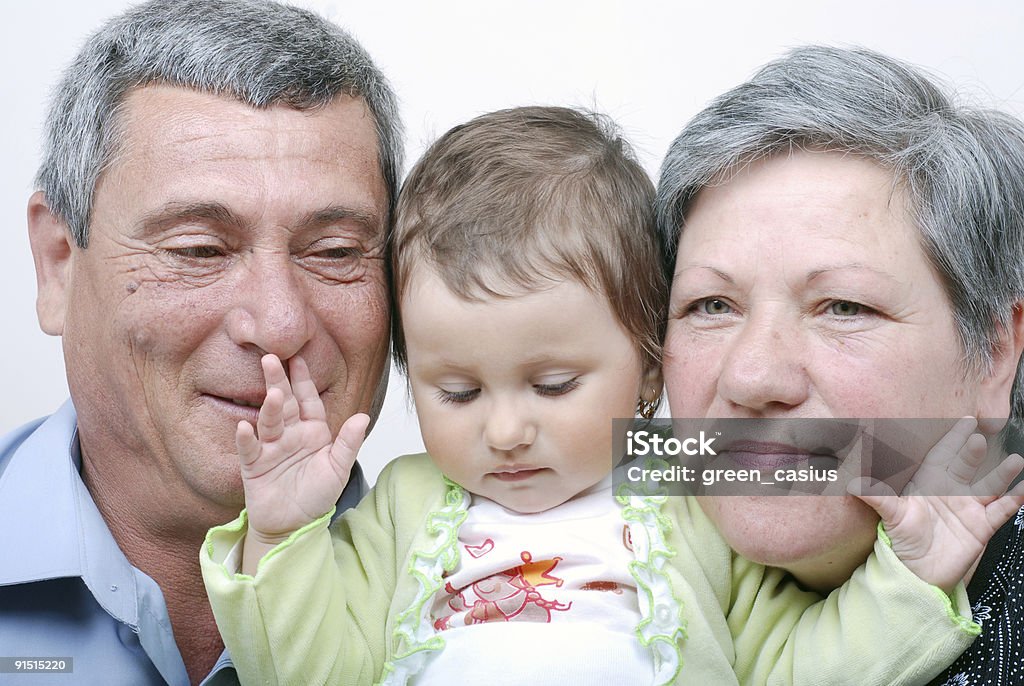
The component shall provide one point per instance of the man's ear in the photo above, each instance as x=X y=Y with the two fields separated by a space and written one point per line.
x=51 y=250
x=994 y=392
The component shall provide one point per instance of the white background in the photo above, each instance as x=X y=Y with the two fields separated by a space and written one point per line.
x=650 y=65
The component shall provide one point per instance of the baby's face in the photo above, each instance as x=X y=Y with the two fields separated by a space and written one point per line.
x=515 y=396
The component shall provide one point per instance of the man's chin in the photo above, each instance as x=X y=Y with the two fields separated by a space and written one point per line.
x=209 y=468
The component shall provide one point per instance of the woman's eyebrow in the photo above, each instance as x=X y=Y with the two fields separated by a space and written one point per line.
x=850 y=266
x=717 y=272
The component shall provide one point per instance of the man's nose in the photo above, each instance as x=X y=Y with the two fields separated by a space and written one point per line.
x=763 y=369
x=509 y=426
x=272 y=309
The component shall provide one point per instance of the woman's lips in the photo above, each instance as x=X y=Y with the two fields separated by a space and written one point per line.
x=757 y=455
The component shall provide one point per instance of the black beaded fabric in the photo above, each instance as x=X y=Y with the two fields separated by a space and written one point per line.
x=996 y=658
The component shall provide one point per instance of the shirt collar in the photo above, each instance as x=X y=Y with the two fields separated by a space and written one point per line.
x=50 y=522
x=53 y=529
x=42 y=532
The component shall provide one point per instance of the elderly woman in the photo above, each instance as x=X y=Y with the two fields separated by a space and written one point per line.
x=847 y=242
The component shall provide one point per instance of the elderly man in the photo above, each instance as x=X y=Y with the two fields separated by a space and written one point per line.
x=848 y=241
x=217 y=184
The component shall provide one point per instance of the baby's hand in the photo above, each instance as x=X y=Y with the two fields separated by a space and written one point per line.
x=293 y=473
x=940 y=535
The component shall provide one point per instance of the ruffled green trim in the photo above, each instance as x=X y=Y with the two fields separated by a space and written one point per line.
x=239 y=526
x=322 y=521
x=232 y=530
x=663 y=623
x=882 y=536
x=414 y=636
x=968 y=626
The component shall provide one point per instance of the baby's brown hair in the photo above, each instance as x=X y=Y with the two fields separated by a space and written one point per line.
x=522 y=198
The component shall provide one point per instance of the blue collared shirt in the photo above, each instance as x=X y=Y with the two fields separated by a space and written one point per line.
x=66 y=589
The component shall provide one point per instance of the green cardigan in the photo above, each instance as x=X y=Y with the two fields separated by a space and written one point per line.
x=350 y=604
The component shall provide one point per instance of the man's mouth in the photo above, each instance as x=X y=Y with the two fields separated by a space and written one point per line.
x=248 y=406
x=245 y=403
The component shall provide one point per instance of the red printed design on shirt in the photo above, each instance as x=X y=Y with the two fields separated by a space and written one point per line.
x=510 y=595
x=479 y=551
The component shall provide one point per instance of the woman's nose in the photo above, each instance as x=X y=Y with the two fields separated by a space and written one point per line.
x=764 y=367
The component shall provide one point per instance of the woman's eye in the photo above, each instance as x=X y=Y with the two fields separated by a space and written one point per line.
x=712 y=306
x=556 y=389
x=845 y=308
x=457 y=396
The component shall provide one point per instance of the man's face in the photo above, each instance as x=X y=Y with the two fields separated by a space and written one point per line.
x=801 y=290
x=220 y=233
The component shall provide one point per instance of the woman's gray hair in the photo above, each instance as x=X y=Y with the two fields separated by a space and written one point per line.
x=260 y=52
x=962 y=169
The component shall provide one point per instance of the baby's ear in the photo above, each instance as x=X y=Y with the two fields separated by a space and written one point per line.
x=51 y=243
x=994 y=393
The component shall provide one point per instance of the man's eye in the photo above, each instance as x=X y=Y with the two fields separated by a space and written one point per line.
x=198 y=252
x=845 y=308
x=337 y=253
x=336 y=263
x=556 y=389
x=457 y=397
x=712 y=306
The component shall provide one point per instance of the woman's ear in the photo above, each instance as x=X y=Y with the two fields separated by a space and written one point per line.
x=994 y=392
x=51 y=244
x=651 y=384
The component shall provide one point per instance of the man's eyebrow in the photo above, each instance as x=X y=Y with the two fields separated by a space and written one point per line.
x=176 y=212
x=368 y=220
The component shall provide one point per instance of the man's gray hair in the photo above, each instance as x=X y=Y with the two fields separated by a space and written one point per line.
x=260 y=52
x=962 y=169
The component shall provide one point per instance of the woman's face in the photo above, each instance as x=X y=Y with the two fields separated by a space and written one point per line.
x=801 y=290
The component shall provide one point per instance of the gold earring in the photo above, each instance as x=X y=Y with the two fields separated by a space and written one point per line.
x=646 y=408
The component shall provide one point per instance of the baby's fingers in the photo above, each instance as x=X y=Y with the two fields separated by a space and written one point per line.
x=964 y=466
x=246 y=442
x=276 y=379
x=271 y=420
x=995 y=483
x=1002 y=509
x=949 y=446
x=306 y=395
x=347 y=444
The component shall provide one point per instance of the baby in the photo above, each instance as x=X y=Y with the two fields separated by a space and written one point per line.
x=530 y=305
